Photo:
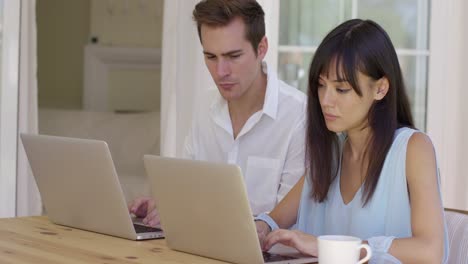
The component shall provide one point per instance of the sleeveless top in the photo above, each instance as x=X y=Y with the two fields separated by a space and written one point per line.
x=387 y=213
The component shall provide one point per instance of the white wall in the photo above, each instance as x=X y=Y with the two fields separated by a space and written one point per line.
x=63 y=30
x=463 y=172
x=144 y=93
x=127 y=23
x=130 y=24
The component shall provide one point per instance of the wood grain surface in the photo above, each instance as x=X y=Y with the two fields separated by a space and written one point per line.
x=37 y=240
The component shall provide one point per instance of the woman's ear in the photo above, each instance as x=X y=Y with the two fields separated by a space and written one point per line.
x=382 y=88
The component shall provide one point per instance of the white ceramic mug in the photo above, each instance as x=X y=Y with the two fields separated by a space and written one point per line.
x=342 y=250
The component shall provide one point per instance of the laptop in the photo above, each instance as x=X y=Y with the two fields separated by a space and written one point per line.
x=79 y=186
x=204 y=210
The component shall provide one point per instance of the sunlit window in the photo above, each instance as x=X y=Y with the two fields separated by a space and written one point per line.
x=304 y=23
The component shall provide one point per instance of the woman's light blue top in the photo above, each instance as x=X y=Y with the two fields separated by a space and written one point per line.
x=388 y=213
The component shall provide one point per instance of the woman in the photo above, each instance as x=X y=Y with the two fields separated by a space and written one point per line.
x=370 y=173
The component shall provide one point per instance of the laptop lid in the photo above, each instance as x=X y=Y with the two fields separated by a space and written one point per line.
x=79 y=185
x=204 y=209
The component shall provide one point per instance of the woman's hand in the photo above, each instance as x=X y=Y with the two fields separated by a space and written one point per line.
x=304 y=243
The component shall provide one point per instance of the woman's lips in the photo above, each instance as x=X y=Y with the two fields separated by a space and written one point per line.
x=330 y=117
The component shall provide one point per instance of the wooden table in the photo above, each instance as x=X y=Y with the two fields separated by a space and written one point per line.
x=37 y=240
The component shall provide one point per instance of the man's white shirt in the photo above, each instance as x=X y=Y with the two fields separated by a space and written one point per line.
x=269 y=149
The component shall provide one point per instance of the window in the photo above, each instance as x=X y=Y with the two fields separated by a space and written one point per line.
x=304 y=23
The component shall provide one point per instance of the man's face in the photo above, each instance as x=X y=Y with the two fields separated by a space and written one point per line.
x=231 y=59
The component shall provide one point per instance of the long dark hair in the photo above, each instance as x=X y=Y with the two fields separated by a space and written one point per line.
x=364 y=46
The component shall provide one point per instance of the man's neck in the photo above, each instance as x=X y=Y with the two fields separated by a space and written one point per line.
x=250 y=103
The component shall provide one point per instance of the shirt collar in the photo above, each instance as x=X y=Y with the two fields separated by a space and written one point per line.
x=219 y=107
x=219 y=112
x=270 y=105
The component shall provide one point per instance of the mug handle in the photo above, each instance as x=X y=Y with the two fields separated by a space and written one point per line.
x=368 y=255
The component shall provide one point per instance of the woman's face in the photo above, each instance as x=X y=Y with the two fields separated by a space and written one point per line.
x=343 y=109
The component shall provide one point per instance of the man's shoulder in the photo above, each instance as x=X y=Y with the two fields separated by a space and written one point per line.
x=210 y=96
x=291 y=101
x=206 y=100
x=287 y=92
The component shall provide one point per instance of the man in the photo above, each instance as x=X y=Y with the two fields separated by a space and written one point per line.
x=254 y=120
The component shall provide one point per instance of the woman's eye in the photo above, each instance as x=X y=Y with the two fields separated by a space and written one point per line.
x=340 y=90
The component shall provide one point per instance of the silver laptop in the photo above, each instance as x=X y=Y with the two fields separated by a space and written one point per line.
x=79 y=186
x=204 y=211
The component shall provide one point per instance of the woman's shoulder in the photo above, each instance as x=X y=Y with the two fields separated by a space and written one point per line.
x=420 y=140
x=405 y=132
x=420 y=158
x=420 y=146
x=411 y=146
x=416 y=140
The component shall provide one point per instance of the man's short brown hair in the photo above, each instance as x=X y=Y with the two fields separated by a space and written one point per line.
x=219 y=13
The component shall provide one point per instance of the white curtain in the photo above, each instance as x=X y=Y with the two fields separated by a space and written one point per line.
x=9 y=49
x=447 y=122
x=184 y=76
x=271 y=9
x=28 y=201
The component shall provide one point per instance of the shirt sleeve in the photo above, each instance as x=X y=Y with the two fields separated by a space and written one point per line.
x=188 y=151
x=294 y=165
x=380 y=246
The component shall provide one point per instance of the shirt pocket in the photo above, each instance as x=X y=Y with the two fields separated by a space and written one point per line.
x=262 y=181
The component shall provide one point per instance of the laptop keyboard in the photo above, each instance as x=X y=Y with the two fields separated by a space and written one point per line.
x=145 y=229
x=268 y=257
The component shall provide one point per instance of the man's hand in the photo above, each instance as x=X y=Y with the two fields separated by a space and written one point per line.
x=262 y=230
x=145 y=207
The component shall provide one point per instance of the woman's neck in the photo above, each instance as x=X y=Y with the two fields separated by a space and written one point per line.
x=357 y=142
